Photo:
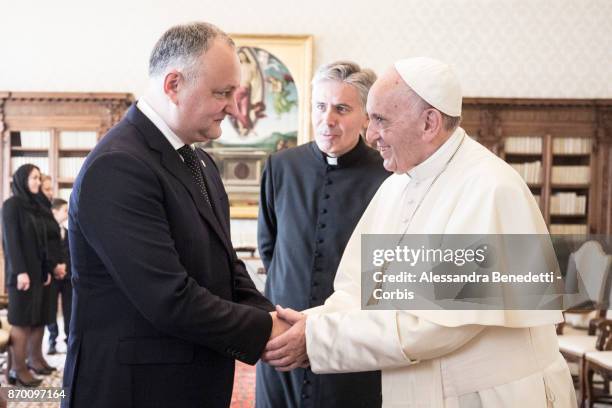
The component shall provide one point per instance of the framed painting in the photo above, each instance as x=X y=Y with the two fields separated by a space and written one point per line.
x=273 y=102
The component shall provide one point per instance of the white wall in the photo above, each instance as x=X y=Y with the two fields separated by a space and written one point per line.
x=508 y=48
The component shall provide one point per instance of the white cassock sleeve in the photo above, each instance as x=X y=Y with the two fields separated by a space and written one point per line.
x=372 y=340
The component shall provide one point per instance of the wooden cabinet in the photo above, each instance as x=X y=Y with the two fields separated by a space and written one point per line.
x=55 y=131
x=561 y=147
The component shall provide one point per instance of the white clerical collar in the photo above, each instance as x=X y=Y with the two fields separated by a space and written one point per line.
x=159 y=123
x=435 y=163
x=332 y=161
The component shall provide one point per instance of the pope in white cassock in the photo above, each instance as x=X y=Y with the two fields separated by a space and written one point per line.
x=444 y=183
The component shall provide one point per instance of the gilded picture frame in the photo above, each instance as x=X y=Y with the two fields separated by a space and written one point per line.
x=273 y=113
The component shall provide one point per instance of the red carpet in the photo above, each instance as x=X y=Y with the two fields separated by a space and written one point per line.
x=244 y=386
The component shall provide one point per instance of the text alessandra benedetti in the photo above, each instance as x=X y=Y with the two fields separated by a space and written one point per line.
x=492 y=277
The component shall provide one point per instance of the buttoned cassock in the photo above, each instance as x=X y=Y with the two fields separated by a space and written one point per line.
x=494 y=358
x=310 y=204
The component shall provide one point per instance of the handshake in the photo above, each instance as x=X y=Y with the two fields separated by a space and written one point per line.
x=286 y=349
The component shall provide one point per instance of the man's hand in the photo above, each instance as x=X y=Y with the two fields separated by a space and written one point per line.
x=288 y=351
x=59 y=272
x=23 y=281
x=279 y=326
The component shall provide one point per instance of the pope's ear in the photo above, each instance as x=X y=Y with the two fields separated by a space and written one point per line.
x=172 y=84
x=434 y=124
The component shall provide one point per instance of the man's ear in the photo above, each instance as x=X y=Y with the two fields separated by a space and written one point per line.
x=432 y=125
x=364 y=127
x=172 y=83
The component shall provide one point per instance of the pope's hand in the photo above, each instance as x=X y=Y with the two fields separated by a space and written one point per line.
x=288 y=351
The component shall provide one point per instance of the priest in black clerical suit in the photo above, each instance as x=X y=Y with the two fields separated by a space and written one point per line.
x=312 y=196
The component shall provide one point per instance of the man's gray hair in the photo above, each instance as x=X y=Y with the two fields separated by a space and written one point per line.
x=450 y=122
x=182 y=45
x=349 y=73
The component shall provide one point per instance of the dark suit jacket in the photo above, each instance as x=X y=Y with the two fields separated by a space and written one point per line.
x=161 y=305
x=53 y=240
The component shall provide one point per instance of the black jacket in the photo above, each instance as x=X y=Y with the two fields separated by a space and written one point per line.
x=161 y=306
x=21 y=237
x=54 y=252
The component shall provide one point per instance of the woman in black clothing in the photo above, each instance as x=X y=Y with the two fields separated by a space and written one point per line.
x=27 y=277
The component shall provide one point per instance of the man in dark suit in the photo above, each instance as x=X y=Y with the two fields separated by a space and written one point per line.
x=162 y=306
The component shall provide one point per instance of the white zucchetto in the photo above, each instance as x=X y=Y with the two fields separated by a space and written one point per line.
x=434 y=81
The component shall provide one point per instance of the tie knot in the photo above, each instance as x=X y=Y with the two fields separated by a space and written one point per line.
x=187 y=153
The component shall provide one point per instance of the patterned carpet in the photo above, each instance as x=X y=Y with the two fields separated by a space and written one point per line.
x=54 y=380
x=244 y=386
x=243 y=397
